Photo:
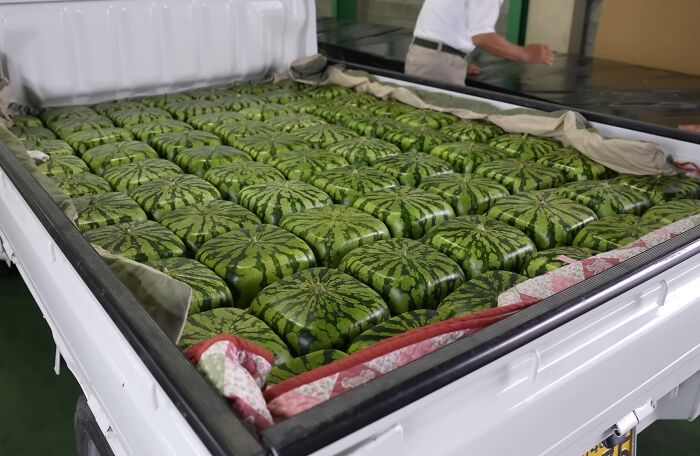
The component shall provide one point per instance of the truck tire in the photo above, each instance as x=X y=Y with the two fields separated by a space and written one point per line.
x=89 y=440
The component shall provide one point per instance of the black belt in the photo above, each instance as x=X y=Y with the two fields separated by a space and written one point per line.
x=442 y=47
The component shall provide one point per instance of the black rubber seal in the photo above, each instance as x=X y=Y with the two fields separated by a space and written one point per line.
x=207 y=413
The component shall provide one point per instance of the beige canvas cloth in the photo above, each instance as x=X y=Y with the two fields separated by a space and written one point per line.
x=569 y=127
x=165 y=299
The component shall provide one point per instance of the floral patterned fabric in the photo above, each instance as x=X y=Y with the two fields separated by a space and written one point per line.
x=541 y=287
x=237 y=369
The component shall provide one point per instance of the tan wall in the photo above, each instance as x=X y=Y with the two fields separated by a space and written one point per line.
x=659 y=34
x=558 y=23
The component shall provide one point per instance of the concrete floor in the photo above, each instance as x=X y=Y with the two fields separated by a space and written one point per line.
x=36 y=406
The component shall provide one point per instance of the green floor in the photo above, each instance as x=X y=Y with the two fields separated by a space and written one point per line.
x=36 y=406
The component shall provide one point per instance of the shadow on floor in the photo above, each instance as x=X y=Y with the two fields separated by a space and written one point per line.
x=36 y=406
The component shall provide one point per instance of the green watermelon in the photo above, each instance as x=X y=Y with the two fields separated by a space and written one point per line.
x=324 y=135
x=333 y=231
x=318 y=309
x=480 y=293
x=550 y=220
x=108 y=108
x=290 y=123
x=522 y=145
x=345 y=185
x=472 y=130
x=131 y=175
x=198 y=161
x=213 y=120
x=238 y=101
x=406 y=211
x=32 y=133
x=672 y=211
x=606 y=198
x=25 y=120
x=427 y=118
x=327 y=91
x=301 y=364
x=169 y=144
x=613 y=232
x=63 y=165
x=264 y=146
x=83 y=141
x=265 y=111
x=339 y=114
x=51 y=115
x=197 y=223
x=466 y=193
x=465 y=157
x=49 y=146
x=304 y=164
x=376 y=127
x=661 y=188
x=544 y=261
x=139 y=241
x=479 y=244
x=273 y=200
x=308 y=105
x=107 y=155
x=408 y=274
x=412 y=168
x=162 y=195
x=421 y=139
x=520 y=176
x=573 y=165
x=250 y=258
x=183 y=110
x=105 y=209
x=227 y=320
x=357 y=100
x=282 y=96
x=82 y=184
x=209 y=93
x=209 y=291
x=66 y=127
x=394 y=326
x=161 y=101
x=251 y=87
x=129 y=117
x=148 y=130
x=390 y=108
x=232 y=133
x=231 y=178
x=363 y=151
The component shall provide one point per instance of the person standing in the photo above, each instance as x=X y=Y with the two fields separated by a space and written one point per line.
x=447 y=31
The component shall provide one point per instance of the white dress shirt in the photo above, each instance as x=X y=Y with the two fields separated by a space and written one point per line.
x=455 y=22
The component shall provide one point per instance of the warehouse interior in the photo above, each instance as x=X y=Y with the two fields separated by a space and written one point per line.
x=625 y=63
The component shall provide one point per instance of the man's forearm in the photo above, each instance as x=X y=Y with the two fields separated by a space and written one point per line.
x=495 y=44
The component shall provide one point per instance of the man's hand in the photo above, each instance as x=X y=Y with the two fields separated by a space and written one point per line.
x=538 y=53
x=473 y=70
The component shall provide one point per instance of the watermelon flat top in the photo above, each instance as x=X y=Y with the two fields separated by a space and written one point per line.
x=406 y=211
x=107 y=155
x=409 y=275
x=231 y=178
x=304 y=164
x=195 y=224
x=544 y=261
x=199 y=160
x=412 y=168
x=132 y=175
x=520 y=176
x=672 y=211
x=466 y=193
x=273 y=200
x=333 y=231
x=301 y=364
x=139 y=241
x=162 y=195
x=318 y=309
x=480 y=293
x=82 y=184
x=106 y=209
x=614 y=232
x=606 y=198
x=394 y=326
x=465 y=157
x=250 y=258
x=345 y=185
x=472 y=130
x=363 y=150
